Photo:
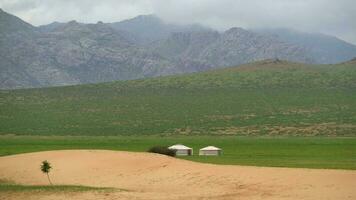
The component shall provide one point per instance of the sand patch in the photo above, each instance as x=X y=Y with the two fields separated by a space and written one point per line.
x=152 y=176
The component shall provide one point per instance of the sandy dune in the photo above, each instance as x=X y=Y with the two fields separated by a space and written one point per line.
x=152 y=176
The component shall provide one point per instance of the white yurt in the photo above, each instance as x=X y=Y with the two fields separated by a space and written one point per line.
x=210 y=151
x=182 y=150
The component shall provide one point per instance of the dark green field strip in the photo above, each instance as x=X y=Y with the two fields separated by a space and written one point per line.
x=49 y=188
x=6 y=186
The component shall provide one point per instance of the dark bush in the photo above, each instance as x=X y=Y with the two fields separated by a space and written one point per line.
x=162 y=150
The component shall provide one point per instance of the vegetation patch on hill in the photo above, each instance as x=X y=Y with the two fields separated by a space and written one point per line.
x=270 y=97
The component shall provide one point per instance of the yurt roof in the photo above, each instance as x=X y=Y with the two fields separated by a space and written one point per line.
x=179 y=146
x=209 y=148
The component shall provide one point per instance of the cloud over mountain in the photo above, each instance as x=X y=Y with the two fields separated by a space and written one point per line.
x=325 y=16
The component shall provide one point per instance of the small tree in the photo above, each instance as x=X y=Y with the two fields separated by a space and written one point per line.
x=45 y=168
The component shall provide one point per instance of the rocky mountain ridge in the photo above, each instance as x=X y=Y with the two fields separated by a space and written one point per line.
x=76 y=53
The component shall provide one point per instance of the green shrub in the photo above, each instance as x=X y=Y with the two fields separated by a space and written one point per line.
x=162 y=150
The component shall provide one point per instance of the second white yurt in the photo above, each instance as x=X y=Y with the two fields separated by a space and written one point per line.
x=210 y=151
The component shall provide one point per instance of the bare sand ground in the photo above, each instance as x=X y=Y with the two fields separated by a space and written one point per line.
x=153 y=176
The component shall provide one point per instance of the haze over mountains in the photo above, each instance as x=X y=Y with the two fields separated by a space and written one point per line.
x=76 y=53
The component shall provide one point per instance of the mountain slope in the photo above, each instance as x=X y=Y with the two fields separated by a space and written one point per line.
x=150 y=28
x=10 y=24
x=270 y=97
x=198 y=51
x=238 y=46
x=72 y=53
x=75 y=53
x=266 y=74
x=323 y=48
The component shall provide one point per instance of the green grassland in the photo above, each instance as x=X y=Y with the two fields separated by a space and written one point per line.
x=307 y=152
x=47 y=188
x=263 y=98
x=6 y=186
x=269 y=113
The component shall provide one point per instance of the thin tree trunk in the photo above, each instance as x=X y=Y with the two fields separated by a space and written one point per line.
x=49 y=179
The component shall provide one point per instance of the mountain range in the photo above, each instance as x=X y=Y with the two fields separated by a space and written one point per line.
x=145 y=46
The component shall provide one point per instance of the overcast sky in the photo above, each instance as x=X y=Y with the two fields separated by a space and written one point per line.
x=334 y=17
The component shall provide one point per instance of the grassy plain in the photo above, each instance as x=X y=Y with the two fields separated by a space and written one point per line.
x=306 y=152
x=264 y=98
x=48 y=188
x=295 y=115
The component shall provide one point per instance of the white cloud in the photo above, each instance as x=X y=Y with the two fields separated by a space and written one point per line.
x=326 y=16
x=39 y=12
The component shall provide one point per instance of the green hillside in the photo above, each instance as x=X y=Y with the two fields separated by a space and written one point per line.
x=265 y=98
